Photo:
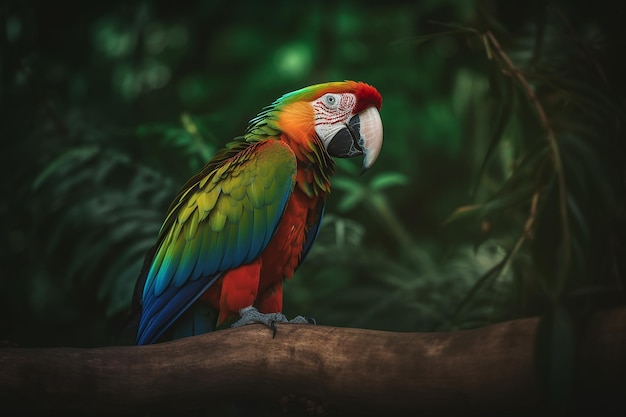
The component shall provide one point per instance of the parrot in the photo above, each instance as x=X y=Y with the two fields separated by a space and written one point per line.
x=242 y=226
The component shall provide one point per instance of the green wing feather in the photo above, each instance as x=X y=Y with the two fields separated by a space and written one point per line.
x=222 y=218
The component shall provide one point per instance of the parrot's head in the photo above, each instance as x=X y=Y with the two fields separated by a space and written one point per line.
x=347 y=120
x=343 y=115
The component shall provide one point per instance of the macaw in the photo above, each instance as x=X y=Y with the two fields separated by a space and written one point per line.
x=246 y=221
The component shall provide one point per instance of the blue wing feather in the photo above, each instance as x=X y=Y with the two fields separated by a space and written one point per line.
x=188 y=263
x=159 y=309
x=196 y=320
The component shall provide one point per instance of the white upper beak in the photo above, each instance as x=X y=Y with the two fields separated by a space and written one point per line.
x=371 y=129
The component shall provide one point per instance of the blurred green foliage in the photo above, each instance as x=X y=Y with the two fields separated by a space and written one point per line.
x=499 y=192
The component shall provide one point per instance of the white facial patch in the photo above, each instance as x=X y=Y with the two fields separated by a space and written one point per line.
x=332 y=112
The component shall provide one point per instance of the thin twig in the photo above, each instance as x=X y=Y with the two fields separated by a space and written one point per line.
x=528 y=226
x=512 y=71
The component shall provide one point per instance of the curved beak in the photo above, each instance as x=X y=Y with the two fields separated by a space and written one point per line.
x=362 y=135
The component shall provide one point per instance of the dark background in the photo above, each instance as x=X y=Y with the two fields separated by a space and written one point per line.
x=107 y=108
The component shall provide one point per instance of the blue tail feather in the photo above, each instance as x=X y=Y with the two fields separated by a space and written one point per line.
x=198 y=319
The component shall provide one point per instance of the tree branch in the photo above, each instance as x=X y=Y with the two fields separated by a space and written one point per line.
x=483 y=371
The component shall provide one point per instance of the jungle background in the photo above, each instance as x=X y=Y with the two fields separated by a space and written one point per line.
x=499 y=192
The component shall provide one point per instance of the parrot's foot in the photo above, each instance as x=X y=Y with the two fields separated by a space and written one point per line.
x=250 y=315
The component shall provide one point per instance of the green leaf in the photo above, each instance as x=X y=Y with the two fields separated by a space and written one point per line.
x=457 y=27
x=510 y=200
x=428 y=37
x=496 y=135
x=489 y=277
x=350 y=200
x=463 y=212
x=348 y=165
x=526 y=170
x=555 y=349
x=547 y=246
x=72 y=156
x=388 y=179
x=346 y=184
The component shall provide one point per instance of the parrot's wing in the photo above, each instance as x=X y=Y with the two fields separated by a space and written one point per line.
x=314 y=229
x=223 y=217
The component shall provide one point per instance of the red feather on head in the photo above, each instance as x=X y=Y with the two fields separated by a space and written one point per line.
x=367 y=96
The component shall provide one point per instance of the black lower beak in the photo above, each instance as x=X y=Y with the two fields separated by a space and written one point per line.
x=346 y=143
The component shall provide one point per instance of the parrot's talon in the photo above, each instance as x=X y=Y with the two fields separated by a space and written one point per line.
x=311 y=320
x=274 y=328
x=301 y=320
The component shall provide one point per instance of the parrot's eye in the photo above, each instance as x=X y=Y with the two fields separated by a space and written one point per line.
x=331 y=100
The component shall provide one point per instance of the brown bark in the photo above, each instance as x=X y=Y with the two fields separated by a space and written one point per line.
x=484 y=371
